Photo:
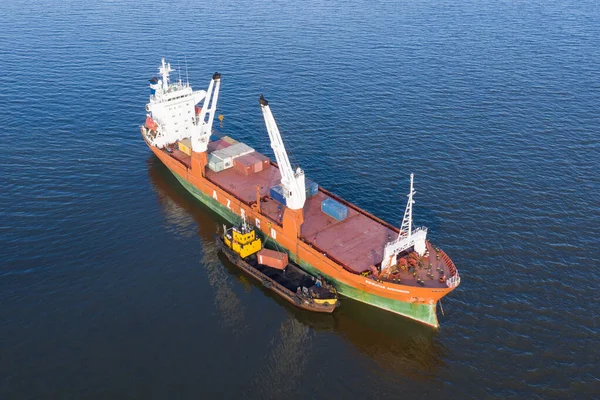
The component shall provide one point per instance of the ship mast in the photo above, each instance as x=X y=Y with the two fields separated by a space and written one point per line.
x=292 y=182
x=207 y=115
x=406 y=227
x=407 y=237
x=164 y=70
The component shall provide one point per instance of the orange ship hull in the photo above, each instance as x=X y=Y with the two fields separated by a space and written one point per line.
x=418 y=303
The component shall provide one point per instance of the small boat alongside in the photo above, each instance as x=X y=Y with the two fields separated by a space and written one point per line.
x=242 y=246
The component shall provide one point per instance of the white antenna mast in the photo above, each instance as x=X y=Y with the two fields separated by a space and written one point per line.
x=407 y=238
x=164 y=72
x=187 y=78
x=406 y=227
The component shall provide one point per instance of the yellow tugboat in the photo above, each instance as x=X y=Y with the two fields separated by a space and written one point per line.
x=242 y=246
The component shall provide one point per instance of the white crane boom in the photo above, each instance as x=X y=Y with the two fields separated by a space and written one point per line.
x=407 y=237
x=205 y=120
x=292 y=182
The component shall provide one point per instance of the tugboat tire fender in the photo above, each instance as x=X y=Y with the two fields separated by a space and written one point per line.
x=267 y=283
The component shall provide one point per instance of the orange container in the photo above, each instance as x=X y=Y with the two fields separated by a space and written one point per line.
x=262 y=162
x=244 y=164
x=272 y=258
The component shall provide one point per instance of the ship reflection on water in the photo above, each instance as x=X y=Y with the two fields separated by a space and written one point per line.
x=396 y=344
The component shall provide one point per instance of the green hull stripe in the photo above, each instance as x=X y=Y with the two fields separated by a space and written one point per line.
x=421 y=312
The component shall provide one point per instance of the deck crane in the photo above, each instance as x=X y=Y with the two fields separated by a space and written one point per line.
x=407 y=237
x=292 y=182
x=205 y=120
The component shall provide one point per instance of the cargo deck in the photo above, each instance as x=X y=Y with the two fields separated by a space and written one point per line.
x=356 y=242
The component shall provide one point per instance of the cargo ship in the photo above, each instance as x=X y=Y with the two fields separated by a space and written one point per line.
x=362 y=256
x=244 y=248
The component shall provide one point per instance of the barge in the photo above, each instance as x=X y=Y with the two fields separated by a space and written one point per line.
x=242 y=246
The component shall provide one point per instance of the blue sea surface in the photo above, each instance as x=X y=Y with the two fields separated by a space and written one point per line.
x=110 y=283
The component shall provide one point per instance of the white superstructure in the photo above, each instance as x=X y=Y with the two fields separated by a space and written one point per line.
x=172 y=114
x=407 y=238
x=292 y=182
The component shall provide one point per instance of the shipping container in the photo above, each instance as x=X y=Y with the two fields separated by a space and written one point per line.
x=262 y=162
x=185 y=145
x=227 y=159
x=217 y=162
x=229 y=140
x=216 y=166
x=272 y=258
x=334 y=209
x=236 y=150
x=311 y=188
x=245 y=164
x=217 y=145
x=251 y=163
x=276 y=194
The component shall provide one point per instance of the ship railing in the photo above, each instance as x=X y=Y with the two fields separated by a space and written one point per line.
x=449 y=263
x=453 y=281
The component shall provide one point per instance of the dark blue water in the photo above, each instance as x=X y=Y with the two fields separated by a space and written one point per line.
x=110 y=285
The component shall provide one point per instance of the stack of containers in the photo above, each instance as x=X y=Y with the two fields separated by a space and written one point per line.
x=251 y=163
x=262 y=162
x=236 y=150
x=218 y=145
x=334 y=209
x=244 y=164
x=229 y=140
x=220 y=160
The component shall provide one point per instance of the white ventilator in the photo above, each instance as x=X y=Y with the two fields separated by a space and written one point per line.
x=407 y=237
x=172 y=111
x=292 y=182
